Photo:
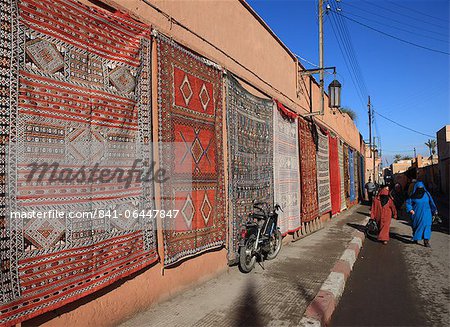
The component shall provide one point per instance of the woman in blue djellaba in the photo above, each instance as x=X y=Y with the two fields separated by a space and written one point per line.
x=421 y=207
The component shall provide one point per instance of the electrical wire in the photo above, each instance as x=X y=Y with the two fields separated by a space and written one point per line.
x=404 y=15
x=347 y=64
x=411 y=100
x=417 y=11
x=391 y=36
x=398 y=151
x=378 y=134
x=377 y=14
x=306 y=60
x=353 y=54
x=397 y=28
x=345 y=46
x=403 y=126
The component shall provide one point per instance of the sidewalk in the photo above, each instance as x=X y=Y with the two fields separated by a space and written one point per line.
x=275 y=296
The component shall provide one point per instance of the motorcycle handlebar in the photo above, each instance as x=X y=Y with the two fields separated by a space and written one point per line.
x=258 y=205
x=278 y=207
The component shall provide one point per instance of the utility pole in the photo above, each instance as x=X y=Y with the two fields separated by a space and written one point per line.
x=415 y=154
x=370 y=126
x=369 y=107
x=321 y=73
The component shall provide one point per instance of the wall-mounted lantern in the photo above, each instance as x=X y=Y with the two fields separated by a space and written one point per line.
x=334 y=94
x=334 y=91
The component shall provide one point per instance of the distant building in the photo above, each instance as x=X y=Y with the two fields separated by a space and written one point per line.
x=443 y=145
x=369 y=165
x=401 y=166
x=420 y=161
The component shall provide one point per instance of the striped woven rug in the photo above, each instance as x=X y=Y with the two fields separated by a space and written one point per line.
x=323 y=173
x=286 y=171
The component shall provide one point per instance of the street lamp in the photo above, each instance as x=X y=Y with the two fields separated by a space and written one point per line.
x=334 y=94
x=334 y=90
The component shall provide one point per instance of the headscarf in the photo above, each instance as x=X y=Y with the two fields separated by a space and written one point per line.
x=419 y=190
x=384 y=196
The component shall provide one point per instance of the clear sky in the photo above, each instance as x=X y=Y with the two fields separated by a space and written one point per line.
x=407 y=84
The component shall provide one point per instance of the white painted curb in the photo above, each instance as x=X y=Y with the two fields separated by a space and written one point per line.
x=310 y=322
x=335 y=283
x=357 y=241
x=350 y=257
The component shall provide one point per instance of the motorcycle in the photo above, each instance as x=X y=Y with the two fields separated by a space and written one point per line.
x=260 y=236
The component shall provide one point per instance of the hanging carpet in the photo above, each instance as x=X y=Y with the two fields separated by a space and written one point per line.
x=250 y=155
x=323 y=173
x=191 y=151
x=351 y=169
x=357 y=173
x=74 y=95
x=342 y=175
x=308 y=171
x=335 y=175
x=346 y=174
x=362 y=177
x=286 y=169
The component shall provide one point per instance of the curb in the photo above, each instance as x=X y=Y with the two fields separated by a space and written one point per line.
x=319 y=311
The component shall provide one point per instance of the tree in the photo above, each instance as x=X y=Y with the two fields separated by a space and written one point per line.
x=431 y=144
x=406 y=157
x=397 y=157
x=350 y=112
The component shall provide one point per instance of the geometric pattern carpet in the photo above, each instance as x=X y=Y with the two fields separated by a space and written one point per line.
x=250 y=156
x=191 y=151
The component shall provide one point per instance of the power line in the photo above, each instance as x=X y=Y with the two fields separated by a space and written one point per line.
x=417 y=11
x=421 y=28
x=352 y=52
x=411 y=150
x=405 y=15
x=397 y=28
x=411 y=100
x=403 y=126
x=398 y=151
x=306 y=60
x=345 y=46
x=347 y=64
x=391 y=36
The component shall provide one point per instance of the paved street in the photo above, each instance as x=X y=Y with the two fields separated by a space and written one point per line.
x=400 y=284
x=275 y=296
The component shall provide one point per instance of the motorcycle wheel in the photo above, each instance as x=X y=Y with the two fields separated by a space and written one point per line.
x=275 y=245
x=247 y=260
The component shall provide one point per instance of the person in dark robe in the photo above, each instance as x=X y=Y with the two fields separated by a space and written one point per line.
x=383 y=209
x=421 y=206
x=398 y=196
